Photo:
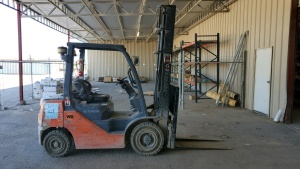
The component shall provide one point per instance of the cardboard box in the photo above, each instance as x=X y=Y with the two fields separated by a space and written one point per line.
x=60 y=90
x=175 y=75
x=192 y=79
x=115 y=79
x=100 y=79
x=192 y=97
x=107 y=79
x=142 y=79
x=187 y=75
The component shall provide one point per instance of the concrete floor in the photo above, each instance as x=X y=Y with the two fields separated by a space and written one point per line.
x=257 y=142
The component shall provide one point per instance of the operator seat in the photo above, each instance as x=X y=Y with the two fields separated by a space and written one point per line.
x=83 y=91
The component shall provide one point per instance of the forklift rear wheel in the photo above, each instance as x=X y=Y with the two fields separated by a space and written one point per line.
x=147 y=139
x=57 y=143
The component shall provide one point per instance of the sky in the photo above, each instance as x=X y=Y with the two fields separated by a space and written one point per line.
x=39 y=41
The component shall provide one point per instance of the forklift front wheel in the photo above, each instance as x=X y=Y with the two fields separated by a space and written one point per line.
x=147 y=139
x=57 y=143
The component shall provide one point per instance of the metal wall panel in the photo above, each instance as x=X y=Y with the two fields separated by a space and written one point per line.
x=268 y=25
x=103 y=63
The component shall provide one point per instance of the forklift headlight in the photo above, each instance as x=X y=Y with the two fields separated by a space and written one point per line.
x=62 y=50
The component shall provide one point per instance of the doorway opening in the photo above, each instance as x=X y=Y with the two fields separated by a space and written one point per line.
x=296 y=108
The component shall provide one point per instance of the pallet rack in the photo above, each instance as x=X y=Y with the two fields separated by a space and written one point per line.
x=191 y=59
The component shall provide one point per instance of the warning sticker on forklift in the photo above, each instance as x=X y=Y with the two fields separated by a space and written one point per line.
x=51 y=110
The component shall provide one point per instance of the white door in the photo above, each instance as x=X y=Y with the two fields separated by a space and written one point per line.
x=262 y=84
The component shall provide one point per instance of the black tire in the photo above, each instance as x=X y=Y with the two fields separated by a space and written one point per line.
x=147 y=139
x=57 y=143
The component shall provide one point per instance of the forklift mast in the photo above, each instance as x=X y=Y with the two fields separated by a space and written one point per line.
x=165 y=94
x=165 y=28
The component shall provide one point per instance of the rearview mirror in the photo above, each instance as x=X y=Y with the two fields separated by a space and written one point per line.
x=136 y=60
x=63 y=52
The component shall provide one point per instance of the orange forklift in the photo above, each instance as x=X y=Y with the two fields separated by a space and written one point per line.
x=83 y=119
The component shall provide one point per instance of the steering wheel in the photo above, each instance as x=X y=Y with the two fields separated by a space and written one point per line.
x=132 y=81
x=121 y=81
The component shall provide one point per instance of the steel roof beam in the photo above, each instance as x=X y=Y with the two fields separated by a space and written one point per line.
x=180 y=15
x=122 y=14
x=142 y=8
x=127 y=36
x=92 y=9
x=119 y=18
x=93 y=1
x=77 y=20
x=188 y=9
x=154 y=25
x=217 y=6
x=26 y=10
x=104 y=14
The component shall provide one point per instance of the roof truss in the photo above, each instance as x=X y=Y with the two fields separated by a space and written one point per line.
x=110 y=20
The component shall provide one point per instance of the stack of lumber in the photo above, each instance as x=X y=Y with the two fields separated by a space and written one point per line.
x=231 y=98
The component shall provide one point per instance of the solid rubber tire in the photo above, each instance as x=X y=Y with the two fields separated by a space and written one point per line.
x=147 y=139
x=57 y=143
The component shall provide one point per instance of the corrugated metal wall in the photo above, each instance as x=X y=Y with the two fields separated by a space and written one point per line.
x=268 y=25
x=103 y=63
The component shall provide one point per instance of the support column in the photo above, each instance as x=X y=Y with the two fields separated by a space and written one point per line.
x=22 y=102
x=291 y=64
x=68 y=35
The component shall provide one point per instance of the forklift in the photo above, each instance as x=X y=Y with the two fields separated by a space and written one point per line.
x=83 y=119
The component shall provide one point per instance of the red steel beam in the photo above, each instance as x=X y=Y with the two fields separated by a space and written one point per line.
x=291 y=63
x=68 y=35
x=20 y=55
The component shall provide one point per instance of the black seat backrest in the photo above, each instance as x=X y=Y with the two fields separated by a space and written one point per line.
x=83 y=89
x=84 y=93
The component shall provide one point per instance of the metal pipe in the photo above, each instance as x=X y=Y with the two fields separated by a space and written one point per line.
x=235 y=68
x=232 y=67
x=228 y=73
x=22 y=102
